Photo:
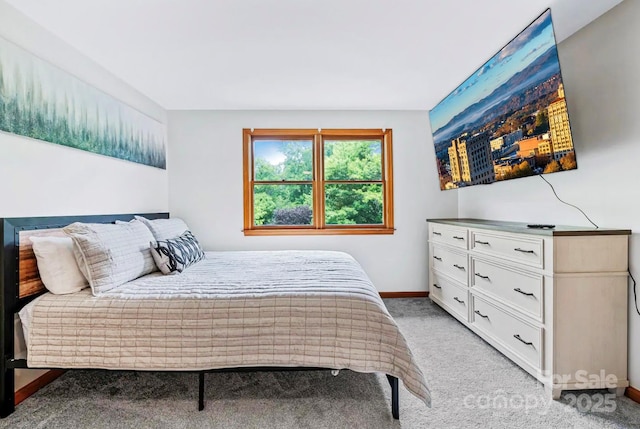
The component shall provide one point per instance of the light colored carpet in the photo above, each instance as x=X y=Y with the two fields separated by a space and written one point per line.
x=469 y=380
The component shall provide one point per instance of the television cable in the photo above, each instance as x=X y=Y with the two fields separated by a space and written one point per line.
x=635 y=294
x=564 y=202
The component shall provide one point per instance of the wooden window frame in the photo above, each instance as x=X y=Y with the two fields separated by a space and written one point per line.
x=318 y=136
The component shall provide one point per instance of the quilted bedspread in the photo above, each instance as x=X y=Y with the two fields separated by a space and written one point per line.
x=233 y=309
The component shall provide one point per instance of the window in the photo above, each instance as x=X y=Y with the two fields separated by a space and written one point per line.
x=301 y=181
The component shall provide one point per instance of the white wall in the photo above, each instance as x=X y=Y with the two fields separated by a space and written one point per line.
x=45 y=179
x=205 y=187
x=601 y=74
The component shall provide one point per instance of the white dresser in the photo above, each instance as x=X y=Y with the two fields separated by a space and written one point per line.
x=553 y=301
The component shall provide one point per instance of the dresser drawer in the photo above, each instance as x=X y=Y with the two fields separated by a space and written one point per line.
x=450 y=294
x=517 y=288
x=526 y=250
x=521 y=338
x=451 y=263
x=449 y=235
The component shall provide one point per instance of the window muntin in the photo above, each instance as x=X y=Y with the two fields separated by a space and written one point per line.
x=317 y=182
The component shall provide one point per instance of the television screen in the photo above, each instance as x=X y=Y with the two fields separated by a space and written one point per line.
x=508 y=119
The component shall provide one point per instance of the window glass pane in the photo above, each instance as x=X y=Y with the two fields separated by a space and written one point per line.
x=352 y=160
x=358 y=204
x=282 y=205
x=283 y=160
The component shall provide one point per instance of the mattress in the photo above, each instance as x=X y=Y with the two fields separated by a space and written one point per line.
x=233 y=309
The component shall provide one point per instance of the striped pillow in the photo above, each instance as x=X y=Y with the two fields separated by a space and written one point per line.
x=164 y=229
x=110 y=255
x=176 y=254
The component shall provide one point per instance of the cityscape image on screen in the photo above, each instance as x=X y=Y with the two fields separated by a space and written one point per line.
x=509 y=119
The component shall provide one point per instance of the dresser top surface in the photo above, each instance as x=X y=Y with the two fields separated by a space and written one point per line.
x=521 y=227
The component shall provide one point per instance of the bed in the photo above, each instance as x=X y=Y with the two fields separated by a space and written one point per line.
x=243 y=310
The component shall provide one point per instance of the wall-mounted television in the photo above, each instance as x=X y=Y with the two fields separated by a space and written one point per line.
x=509 y=119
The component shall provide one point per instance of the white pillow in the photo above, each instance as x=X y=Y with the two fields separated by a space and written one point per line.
x=165 y=229
x=57 y=265
x=110 y=255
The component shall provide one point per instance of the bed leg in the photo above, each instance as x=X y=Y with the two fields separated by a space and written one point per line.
x=201 y=391
x=7 y=402
x=395 y=398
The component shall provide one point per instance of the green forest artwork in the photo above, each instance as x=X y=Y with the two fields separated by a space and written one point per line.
x=41 y=101
x=284 y=199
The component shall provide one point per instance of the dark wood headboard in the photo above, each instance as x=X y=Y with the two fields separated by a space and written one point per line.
x=20 y=280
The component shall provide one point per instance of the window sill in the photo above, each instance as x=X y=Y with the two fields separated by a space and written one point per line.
x=326 y=231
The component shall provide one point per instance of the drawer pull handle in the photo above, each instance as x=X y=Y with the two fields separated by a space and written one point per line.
x=458 y=300
x=458 y=238
x=437 y=258
x=481 y=315
x=482 y=277
x=517 y=337
x=482 y=242
x=459 y=267
x=523 y=292
x=517 y=249
x=437 y=233
x=436 y=286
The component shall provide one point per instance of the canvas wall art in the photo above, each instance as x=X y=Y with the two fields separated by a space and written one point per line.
x=41 y=101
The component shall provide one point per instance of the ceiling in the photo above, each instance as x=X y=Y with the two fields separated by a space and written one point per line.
x=297 y=54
